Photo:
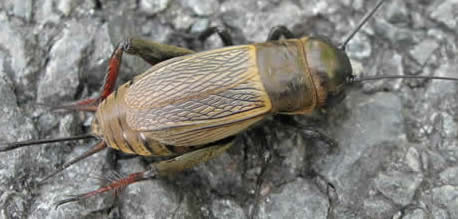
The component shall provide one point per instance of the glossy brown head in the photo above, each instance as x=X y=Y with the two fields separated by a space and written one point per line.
x=330 y=68
x=329 y=64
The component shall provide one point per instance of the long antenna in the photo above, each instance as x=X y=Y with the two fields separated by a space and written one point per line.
x=14 y=145
x=361 y=23
x=370 y=78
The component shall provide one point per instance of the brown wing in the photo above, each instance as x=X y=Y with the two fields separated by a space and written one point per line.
x=198 y=98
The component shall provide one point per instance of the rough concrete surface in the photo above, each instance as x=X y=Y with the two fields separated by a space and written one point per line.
x=398 y=139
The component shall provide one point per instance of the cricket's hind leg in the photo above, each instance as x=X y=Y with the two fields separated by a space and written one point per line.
x=150 y=51
x=161 y=168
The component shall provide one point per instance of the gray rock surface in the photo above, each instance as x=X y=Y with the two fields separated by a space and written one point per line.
x=398 y=139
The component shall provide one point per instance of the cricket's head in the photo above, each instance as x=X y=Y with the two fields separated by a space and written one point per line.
x=330 y=67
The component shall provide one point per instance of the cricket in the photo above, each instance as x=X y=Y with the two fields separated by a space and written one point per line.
x=191 y=106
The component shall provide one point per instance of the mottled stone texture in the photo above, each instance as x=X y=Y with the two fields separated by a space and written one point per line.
x=398 y=146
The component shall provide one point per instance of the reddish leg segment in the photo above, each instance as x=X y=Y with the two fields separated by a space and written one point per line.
x=113 y=72
x=90 y=104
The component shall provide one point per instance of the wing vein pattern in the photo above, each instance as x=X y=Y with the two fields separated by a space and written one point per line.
x=190 y=93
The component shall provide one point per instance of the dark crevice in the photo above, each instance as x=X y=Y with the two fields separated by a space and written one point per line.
x=98 y=5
